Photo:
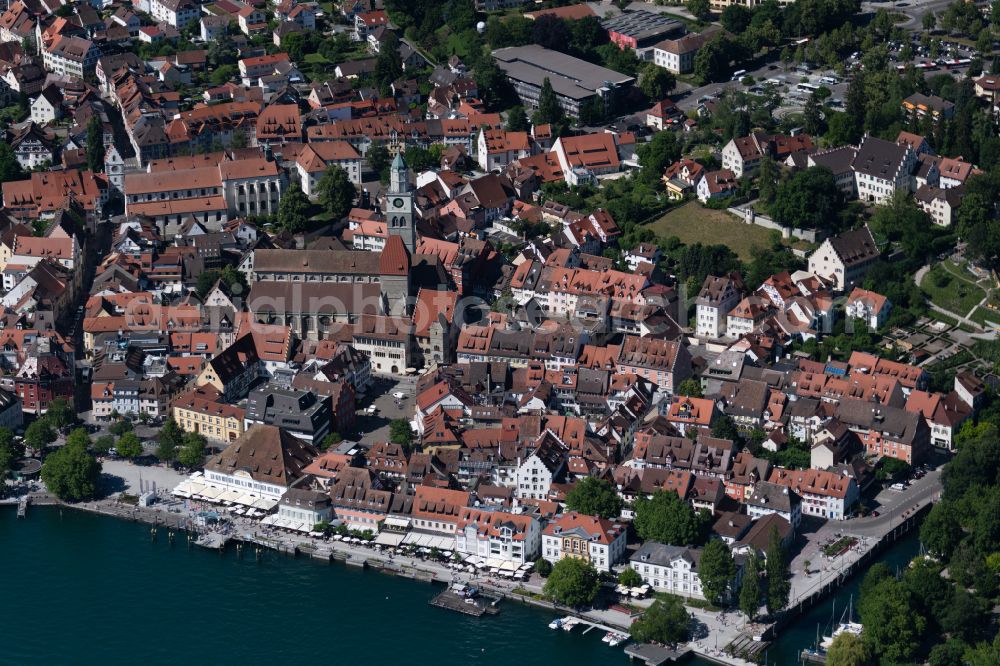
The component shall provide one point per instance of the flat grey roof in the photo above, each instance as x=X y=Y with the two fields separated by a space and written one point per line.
x=569 y=76
x=642 y=25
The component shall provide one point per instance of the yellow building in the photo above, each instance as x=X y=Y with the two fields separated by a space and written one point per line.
x=201 y=410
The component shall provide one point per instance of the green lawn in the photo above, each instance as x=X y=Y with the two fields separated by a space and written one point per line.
x=986 y=316
x=937 y=316
x=694 y=224
x=315 y=59
x=948 y=289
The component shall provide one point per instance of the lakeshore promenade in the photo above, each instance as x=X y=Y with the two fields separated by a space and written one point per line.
x=713 y=631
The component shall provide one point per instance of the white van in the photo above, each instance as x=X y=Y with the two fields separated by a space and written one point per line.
x=738 y=74
x=898 y=486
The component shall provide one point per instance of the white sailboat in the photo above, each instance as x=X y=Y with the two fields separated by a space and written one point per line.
x=847 y=625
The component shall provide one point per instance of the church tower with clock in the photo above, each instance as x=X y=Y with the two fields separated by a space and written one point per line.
x=399 y=205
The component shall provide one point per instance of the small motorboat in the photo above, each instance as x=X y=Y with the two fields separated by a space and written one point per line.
x=555 y=624
x=616 y=639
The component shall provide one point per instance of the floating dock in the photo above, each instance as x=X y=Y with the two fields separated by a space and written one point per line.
x=212 y=540
x=452 y=600
x=22 y=507
x=812 y=657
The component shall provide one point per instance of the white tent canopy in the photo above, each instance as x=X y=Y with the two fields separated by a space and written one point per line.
x=389 y=539
x=423 y=540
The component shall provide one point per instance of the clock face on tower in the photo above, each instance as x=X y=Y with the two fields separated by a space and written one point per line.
x=397 y=203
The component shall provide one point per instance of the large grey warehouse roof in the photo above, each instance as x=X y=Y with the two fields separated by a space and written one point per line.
x=569 y=76
x=642 y=25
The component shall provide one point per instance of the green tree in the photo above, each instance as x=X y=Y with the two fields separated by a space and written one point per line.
x=656 y=82
x=984 y=42
x=711 y=63
x=700 y=9
x=893 y=626
x=778 y=585
x=809 y=199
x=129 y=446
x=388 y=67
x=929 y=21
x=222 y=51
x=293 y=210
x=39 y=434
x=965 y=615
x=768 y=177
x=336 y=192
x=543 y=567
x=169 y=440
x=573 y=582
x=192 y=450
x=206 y=280
x=750 y=590
x=60 y=413
x=95 y=145
x=71 y=473
x=400 y=432
x=517 y=120
x=736 y=18
x=172 y=434
x=549 y=110
x=79 y=437
x=941 y=531
x=716 y=570
x=667 y=518
x=665 y=621
x=812 y=120
x=8 y=453
x=930 y=590
x=121 y=427
x=379 y=159
x=594 y=497
x=330 y=440
x=847 y=649
x=492 y=83
x=223 y=74
x=656 y=155
x=723 y=427
x=103 y=444
x=950 y=653
x=630 y=578
x=690 y=387
x=10 y=168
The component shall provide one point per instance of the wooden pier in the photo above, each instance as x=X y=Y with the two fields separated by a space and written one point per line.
x=451 y=600
x=22 y=506
x=212 y=541
x=745 y=647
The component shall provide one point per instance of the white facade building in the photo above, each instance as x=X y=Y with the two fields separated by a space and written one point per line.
x=498 y=535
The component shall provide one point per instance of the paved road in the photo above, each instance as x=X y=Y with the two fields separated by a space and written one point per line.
x=893 y=507
x=915 y=10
